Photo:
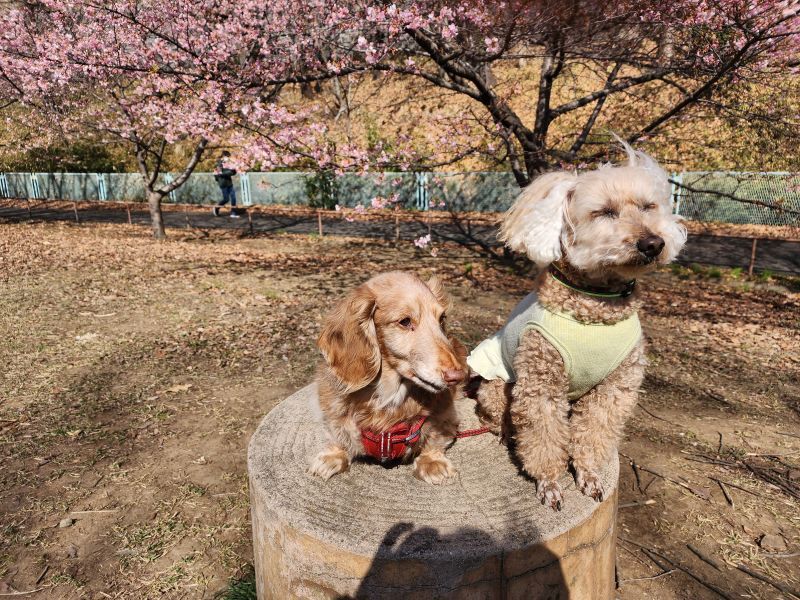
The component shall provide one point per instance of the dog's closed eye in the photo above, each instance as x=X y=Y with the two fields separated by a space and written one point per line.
x=648 y=206
x=606 y=212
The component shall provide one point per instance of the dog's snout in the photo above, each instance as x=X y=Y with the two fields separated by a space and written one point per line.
x=651 y=246
x=452 y=376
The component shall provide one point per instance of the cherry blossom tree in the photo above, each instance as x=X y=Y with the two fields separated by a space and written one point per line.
x=152 y=75
x=653 y=63
x=239 y=71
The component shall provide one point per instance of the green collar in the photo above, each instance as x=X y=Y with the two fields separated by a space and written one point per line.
x=627 y=288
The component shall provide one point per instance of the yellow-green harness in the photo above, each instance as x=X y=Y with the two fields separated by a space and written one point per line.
x=590 y=351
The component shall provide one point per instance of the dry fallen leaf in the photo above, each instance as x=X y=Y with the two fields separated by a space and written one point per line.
x=181 y=387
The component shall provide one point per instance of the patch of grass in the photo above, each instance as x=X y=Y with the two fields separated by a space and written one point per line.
x=765 y=275
x=714 y=273
x=194 y=489
x=696 y=269
x=736 y=272
x=243 y=588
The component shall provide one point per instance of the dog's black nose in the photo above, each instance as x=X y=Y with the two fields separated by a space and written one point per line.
x=651 y=246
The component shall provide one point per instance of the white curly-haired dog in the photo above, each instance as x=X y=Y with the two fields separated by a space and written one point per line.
x=562 y=376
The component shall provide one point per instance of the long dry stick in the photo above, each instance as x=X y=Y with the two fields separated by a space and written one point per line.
x=651 y=553
x=766 y=579
x=725 y=493
x=704 y=557
x=662 y=476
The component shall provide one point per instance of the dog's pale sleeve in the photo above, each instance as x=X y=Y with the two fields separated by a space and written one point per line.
x=487 y=359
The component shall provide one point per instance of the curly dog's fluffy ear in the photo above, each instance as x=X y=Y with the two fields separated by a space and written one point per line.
x=349 y=342
x=535 y=223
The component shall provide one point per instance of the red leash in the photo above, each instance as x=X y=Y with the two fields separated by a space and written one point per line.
x=471 y=432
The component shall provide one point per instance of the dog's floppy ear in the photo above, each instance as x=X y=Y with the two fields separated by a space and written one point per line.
x=435 y=286
x=536 y=221
x=349 y=342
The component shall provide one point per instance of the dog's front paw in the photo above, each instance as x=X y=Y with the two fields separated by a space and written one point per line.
x=549 y=492
x=329 y=463
x=433 y=469
x=589 y=483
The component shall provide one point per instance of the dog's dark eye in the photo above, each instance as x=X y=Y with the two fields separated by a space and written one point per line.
x=649 y=206
x=406 y=322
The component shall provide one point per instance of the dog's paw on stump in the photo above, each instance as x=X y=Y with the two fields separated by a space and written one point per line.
x=589 y=483
x=550 y=494
x=433 y=469
x=376 y=531
x=329 y=463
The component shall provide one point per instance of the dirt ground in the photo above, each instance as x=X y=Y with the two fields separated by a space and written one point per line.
x=134 y=373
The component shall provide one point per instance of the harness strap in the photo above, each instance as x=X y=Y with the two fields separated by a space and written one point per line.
x=393 y=443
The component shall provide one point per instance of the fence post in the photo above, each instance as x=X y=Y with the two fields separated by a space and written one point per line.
x=102 y=191
x=677 y=192
x=752 y=258
x=244 y=185
x=4 y=189
x=128 y=206
x=423 y=201
x=75 y=209
x=319 y=223
x=173 y=195
x=396 y=227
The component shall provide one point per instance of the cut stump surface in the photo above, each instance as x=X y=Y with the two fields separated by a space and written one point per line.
x=376 y=532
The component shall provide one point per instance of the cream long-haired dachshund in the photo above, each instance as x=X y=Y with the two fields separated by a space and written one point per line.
x=388 y=378
x=562 y=376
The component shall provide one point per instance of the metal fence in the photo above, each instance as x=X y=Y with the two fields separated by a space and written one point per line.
x=738 y=197
x=732 y=197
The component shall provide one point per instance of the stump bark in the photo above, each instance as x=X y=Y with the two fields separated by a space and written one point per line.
x=377 y=532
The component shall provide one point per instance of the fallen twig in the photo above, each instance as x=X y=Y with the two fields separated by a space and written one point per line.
x=670 y=479
x=623 y=581
x=650 y=552
x=630 y=504
x=704 y=558
x=765 y=473
x=635 y=556
x=725 y=493
x=649 y=483
x=655 y=416
x=635 y=469
x=766 y=579
x=733 y=485
x=24 y=593
x=781 y=555
x=88 y=512
x=43 y=573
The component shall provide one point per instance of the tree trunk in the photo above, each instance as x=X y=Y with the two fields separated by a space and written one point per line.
x=156 y=219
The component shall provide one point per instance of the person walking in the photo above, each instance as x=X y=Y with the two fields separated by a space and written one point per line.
x=223 y=175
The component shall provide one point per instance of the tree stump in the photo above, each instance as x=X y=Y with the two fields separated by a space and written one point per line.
x=376 y=532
